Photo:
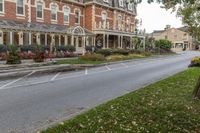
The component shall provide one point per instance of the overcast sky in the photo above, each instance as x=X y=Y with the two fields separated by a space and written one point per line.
x=155 y=18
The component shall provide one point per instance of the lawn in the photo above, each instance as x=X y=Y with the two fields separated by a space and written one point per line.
x=165 y=106
x=78 y=61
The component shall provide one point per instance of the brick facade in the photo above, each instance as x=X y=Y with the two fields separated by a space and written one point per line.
x=91 y=17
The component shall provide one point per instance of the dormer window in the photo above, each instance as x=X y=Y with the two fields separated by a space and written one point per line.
x=107 y=1
x=130 y=6
x=121 y=4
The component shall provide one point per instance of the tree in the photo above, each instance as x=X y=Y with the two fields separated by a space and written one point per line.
x=168 y=3
x=163 y=44
x=190 y=14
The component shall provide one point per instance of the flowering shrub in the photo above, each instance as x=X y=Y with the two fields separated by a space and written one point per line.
x=39 y=54
x=195 y=62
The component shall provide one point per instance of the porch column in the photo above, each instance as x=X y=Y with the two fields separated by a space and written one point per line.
x=119 y=37
x=52 y=42
x=38 y=38
x=1 y=37
x=66 y=40
x=21 y=38
x=72 y=40
x=121 y=42
x=104 y=37
x=107 y=41
x=45 y=39
x=144 y=45
x=94 y=43
x=59 y=39
x=11 y=37
x=29 y=38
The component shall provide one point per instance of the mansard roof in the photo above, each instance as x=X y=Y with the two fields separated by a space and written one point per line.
x=115 y=4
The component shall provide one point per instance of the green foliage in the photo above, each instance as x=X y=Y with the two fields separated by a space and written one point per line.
x=26 y=48
x=166 y=106
x=39 y=53
x=190 y=14
x=13 y=57
x=163 y=44
x=68 y=48
x=92 y=57
x=105 y=52
x=3 y=48
x=120 y=51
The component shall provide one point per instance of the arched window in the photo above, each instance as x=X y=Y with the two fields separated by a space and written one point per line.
x=53 y=11
x=77 y=16
x=66 y=11
x=20 y=7
x=1 y=5
x=39 y=9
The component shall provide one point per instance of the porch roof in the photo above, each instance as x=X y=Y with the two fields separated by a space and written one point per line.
x=38 y=27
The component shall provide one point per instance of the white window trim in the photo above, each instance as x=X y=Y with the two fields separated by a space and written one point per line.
x=121 y=1
x=107 y=1
x=76 y=9
x=43 y=6
x=2 y=12
x=68 y=14
x=53 y=3
x=22 y=15
x=130 y=7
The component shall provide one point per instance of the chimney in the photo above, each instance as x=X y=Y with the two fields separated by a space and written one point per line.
x=167 y=27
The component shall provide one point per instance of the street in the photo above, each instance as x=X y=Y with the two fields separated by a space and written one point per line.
x=32 y=102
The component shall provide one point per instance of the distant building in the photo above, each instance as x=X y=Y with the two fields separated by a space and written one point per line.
x=180 y=37
x=106 y=23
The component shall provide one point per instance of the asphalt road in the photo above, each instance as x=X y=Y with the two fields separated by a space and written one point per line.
x=32 y=102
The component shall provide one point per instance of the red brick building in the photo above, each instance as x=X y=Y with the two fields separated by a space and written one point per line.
x=105 y=23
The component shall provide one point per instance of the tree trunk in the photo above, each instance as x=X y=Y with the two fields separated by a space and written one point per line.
x=196 y=92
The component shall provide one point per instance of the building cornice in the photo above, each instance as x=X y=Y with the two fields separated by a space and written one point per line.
x=112 y=8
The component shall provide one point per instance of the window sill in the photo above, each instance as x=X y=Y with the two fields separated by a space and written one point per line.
x=20 y=15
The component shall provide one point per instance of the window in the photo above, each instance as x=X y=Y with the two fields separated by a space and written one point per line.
x=130 y=7
x=53 y=12
x=66 y=14
x=77 y=16
x=128 y=23
x=20 y=7
x=119 y=22
x=103 y=16
x=1 y=5
x=121 y=4
x=39 y=9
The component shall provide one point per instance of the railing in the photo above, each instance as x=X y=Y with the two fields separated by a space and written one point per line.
x=106 y=25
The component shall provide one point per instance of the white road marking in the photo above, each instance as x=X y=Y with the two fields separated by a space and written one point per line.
x=82 y=75
x=108 y=68
x=10 y=83
x=86 y=71
x=124 y=64
x=54 y=77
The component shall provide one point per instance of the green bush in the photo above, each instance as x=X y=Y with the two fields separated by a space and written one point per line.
x=105 y=52
x=3 y=48
x=163 y=44
x=26 y=48
x=120 y=51
x=92 y=57
x=90 y=48
x=70 y=48
x=13 y=57
x=39 y=53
